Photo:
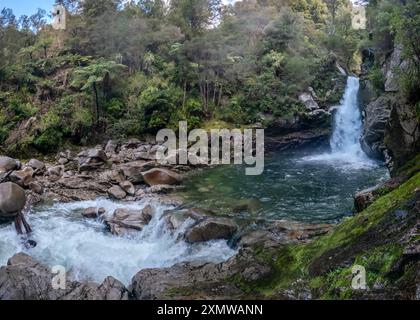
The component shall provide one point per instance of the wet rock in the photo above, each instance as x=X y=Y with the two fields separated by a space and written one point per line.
x=211 y=229
x=37 y=165
x=159 y=176
x=8 y=164
x=282 y=232
x=91 y=159
x=91 y=213
x=117 y=192
x=22 y=177
x=12 y=199
x=128 y=188
x=125 y=221
x=247 y=205
x=174 y=219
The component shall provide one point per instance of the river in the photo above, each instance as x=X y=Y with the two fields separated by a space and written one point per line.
x=312 y=185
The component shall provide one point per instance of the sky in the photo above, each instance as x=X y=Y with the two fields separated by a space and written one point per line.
x=27 y=7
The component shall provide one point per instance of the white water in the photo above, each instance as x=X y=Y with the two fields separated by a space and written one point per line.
x=89 y=252
x=346 y=151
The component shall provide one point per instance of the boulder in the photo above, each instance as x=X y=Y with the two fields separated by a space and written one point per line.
x=174 y=219
x=36 y=187
x=90 y=213
x=125 y=221
x=117 y=192
x=365 y=198
x=12 y=199
x=211 y=229
x=159 y=176
x=111 y=147
x=199 y=279
x=37 y=165
x=308 y=101
x=22 y=177
x=24 y=278
x=56 y=171
x=128 y=187
x=133 y=170
x=91 y=159
x=8 y=164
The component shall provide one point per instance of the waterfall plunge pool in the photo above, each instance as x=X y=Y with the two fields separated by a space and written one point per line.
x=311 y=185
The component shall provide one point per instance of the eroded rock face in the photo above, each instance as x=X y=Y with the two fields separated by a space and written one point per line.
x=377 y=114
x=199 y=280
x=211 y=229
x=159 y=176
x=24 y=278
x=307 y=99
x=402 y=135
x=12 y=199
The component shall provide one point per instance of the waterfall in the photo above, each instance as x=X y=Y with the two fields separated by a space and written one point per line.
x=347 y=127
x=347 y=130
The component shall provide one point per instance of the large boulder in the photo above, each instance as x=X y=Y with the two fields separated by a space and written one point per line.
x=24 y=278
x=12 y=199
x=22 y=177
x=91 y=159
x=200 y=279
x=8 y=164
x=159 y=176
x=38 y=166
x=125 y=221
x=211 y=229
x=133 y=171
x=128 y=187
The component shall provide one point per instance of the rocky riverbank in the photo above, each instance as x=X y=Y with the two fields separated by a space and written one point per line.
x=127 y=172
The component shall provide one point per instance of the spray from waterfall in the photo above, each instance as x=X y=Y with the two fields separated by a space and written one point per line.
x=347 y=130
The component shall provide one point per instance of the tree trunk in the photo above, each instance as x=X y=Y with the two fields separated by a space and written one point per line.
x=95 y=93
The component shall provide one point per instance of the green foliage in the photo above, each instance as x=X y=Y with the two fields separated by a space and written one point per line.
x=377 y=78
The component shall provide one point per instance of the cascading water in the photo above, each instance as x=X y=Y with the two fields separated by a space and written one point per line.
x=347 y=130
x=89 y=252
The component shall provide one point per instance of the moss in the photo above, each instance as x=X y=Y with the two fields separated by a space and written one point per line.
x=179 y=292
x=291 y=263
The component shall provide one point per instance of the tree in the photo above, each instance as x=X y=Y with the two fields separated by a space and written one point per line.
x=95 y=77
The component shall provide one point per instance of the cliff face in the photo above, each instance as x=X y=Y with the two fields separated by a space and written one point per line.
x=391 y=124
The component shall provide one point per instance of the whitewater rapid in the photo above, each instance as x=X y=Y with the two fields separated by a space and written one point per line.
x=86 y=249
